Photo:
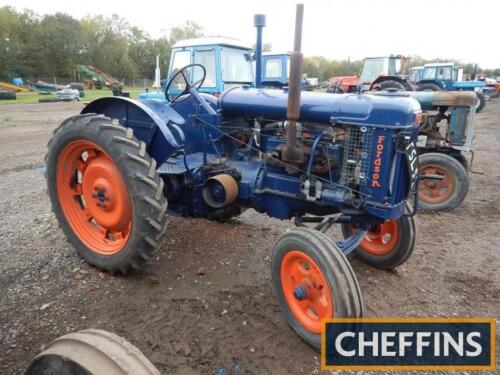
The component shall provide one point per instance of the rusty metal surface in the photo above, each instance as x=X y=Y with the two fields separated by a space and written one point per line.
x=455 y=98
x=229 y=185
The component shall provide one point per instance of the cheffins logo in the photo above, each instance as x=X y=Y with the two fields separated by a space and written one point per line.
x=408 y=344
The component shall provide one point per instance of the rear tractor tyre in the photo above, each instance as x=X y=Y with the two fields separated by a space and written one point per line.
x=446 y=194
x=391 y=84
x=481 y=102
x=386 y=245
x=105 y=192
x=313 y=281
x=429 y=87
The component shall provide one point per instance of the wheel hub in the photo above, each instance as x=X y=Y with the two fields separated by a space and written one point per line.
x=306 y=290
x=94 y=197
x=436 y=191
x=381 y=238
x=300 y=293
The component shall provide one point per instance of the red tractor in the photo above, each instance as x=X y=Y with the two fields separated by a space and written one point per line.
x=379 y=73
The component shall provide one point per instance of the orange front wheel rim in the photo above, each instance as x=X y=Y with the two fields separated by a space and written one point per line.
x=381 y=238
x=436 y=191
x=94 y=197
x=306 y=290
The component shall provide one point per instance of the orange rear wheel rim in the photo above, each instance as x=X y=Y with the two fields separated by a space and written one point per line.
x=306 y=290
x=381 y=238
x=94 y=197
x=436 y=191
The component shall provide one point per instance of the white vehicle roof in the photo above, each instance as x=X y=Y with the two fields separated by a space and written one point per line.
x=275 y=53
x=417 y=67
x=440 y=64
x=211 y=40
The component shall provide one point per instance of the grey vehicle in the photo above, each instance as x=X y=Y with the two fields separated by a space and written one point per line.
x=68 y=94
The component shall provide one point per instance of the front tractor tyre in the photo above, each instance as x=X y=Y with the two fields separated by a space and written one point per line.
x=386 y=245
x=313 y=281
x=429 y=87
x=447 y=192
x=481 y=102
x=105 y=192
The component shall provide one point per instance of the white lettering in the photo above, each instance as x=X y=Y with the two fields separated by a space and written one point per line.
x=449 y=340
x=385 y=344
x=338 y=344
x=403 y=343
x=421 y=343
x=364 y=343
x=475 y=344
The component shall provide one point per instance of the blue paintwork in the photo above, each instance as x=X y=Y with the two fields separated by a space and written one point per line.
x=188 y=141
x=278 y=81
x=450 y=84
x=381 y=110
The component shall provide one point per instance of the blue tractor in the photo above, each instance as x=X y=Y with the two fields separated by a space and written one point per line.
x=227 y=62
x=446 y=77
x=117 y=170
x=275 y=69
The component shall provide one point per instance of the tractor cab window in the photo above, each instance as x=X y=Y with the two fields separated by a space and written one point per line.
x=274 y=68
x=458 y=74
x=444 y=72
x=430 y=73
x=206 y=58
x=373 y=68
x=394 y=67
x=237 y=66
x=181 y=59
x=414 y=75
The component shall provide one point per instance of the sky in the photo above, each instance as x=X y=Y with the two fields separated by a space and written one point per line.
x=455 y=29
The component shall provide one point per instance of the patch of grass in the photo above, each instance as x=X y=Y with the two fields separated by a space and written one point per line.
x=90 y=95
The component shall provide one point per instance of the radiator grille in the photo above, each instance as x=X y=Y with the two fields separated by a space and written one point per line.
x=356 y=159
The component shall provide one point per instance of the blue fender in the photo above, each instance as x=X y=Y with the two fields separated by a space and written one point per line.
x=154 y=123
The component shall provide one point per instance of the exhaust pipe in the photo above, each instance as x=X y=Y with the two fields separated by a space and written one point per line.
x=259 y=21
x=293 y=153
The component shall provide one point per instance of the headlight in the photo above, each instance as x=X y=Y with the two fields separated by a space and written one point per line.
x=478 y=89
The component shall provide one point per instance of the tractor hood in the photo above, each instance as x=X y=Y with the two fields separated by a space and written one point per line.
x=429 y=100
x=388 y=111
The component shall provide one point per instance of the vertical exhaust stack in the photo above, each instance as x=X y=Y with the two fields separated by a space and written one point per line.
x=259 y=21
x=294 y=153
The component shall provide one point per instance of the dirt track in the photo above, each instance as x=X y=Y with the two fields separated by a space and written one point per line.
x=188 y=323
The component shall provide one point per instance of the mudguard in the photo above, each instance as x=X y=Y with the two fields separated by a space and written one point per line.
x=154 y=123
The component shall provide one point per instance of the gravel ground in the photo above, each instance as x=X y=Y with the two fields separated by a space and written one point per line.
x=205 y=301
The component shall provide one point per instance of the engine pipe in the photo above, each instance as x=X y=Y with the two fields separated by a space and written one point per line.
x=291 y=152
x=259 y=21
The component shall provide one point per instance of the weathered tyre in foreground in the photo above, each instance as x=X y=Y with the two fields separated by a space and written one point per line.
x=105 y=192
x=91 y=352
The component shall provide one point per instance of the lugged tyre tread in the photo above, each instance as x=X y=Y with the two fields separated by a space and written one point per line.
x=139 y=171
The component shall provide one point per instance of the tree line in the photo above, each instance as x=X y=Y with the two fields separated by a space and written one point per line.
x=52 y=45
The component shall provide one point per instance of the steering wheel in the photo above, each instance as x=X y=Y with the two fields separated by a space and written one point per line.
x=181 y=77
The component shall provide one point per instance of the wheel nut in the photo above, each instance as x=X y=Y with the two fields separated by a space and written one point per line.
x=300 y=293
